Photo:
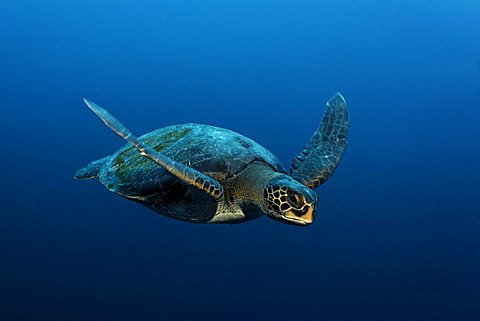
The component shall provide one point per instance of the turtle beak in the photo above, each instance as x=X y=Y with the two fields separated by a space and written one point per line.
x=304 y=217
x=306 y=214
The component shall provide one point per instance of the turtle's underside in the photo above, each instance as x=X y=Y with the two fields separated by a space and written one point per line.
x=205 y=174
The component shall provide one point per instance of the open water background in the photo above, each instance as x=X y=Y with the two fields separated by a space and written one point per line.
x=397 y=233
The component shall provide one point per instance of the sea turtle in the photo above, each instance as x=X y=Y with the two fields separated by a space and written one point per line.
x=206 y=174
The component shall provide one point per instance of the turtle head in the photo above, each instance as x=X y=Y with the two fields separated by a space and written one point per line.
x=290 y=202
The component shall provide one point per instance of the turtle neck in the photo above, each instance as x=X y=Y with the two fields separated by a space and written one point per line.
x=249 y=184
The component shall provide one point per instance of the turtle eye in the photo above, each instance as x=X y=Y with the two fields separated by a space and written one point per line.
x=294 y=199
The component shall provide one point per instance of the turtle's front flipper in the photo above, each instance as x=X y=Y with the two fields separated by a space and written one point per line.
x=185 y=173
x=317 y=161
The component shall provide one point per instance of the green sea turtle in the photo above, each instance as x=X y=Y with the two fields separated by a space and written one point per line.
x=205 y=174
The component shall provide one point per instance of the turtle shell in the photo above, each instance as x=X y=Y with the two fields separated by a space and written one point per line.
x=218 y=152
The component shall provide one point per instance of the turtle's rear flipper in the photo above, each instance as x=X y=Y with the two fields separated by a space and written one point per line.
x=91 y=170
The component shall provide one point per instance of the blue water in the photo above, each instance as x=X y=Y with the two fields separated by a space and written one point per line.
x=397 y=235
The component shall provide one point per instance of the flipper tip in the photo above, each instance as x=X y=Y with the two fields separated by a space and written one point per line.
x=102 y=113
x=337 y=100
x=88 y=103
x=339 y=96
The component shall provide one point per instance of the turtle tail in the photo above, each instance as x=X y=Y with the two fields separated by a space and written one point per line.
x=91 y=170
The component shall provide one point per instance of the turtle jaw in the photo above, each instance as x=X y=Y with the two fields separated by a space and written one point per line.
x=294 y=221
x=303 y=220
x=292 y=217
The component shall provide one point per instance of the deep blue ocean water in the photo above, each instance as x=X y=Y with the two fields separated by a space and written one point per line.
x=397 y=236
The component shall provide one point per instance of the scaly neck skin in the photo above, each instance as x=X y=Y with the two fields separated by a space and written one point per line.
x=249 y=185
